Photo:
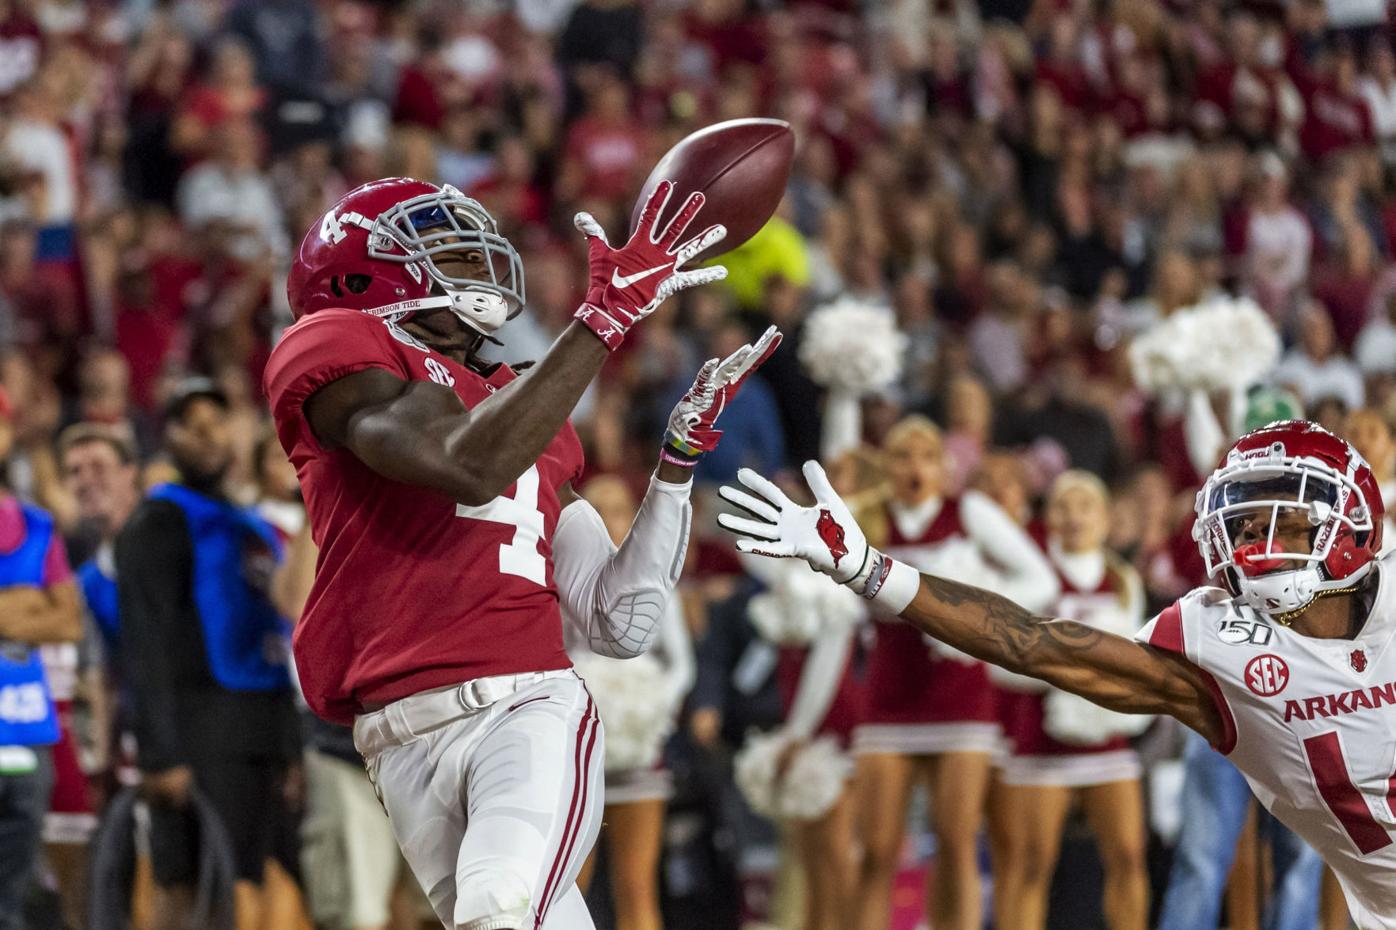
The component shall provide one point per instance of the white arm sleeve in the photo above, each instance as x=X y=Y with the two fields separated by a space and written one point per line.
x=1024 y=574
x=1202 y=432
x=843 y=424
x=819 y=682
x=615 y=597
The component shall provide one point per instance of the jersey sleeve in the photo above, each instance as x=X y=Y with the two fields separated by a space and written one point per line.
x=320 y=349
x=1177 y=629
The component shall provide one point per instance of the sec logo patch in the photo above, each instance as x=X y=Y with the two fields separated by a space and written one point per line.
x=1267 y=675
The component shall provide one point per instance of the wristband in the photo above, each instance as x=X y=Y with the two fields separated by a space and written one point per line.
x=666 y=454
x=602 y=325
x=892 y=585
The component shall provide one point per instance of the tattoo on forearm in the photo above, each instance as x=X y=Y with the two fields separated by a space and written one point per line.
x=992 y=627
x=988 y=626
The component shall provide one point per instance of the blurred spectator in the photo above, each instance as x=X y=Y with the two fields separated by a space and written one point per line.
x=1344 y=285
x=38 y=604
x=605 y=32
x=1375 y=352
x=204 y=654
x=230 y=197
x=604 y=146
x=1278 y=239
x=21 y=45
x=1372 y=435
x=98 y=463
x=1378 y=89
x=285 y=40
x=230 y=93
x=1314 y=369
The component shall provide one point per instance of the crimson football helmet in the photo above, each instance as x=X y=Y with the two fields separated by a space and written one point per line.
x=378 y=249
x=1298 y=466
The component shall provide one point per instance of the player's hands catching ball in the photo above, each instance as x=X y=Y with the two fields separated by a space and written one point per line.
x=627 y=284
x=691 y=432
x=824 y=535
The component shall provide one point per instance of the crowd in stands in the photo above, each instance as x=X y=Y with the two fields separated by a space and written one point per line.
x=1025 y=185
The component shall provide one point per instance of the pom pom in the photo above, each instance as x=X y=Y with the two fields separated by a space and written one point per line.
x=853 y=346
x=1076 y=721
x=636 y=701
x=812 y=783
x=1225 y=343
x=801 y=605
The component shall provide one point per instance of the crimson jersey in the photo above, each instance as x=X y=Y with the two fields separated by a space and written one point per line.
x=1311 y=723
x=909 y=681
x=412 y=590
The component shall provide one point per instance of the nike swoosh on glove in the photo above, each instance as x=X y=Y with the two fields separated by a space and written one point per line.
x=691 y=432
x=628 y=284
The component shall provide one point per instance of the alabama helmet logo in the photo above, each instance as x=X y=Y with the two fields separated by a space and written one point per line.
x=1358 y=659
x=1267 y=675
x=832 y=535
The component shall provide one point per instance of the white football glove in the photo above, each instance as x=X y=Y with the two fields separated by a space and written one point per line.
x=825 y=535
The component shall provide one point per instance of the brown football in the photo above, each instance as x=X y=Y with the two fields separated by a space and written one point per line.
x=740 y=167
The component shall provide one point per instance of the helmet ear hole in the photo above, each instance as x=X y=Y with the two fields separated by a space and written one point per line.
x=357 y=283
x=334 y=286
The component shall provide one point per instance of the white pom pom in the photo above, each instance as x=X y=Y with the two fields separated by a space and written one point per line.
x=812 y=783
x=636 y=703
x=1225 y=343
x=1076 y=721
x=801 y=605
x=854 y=346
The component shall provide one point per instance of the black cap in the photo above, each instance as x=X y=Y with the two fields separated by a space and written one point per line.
x=191 y=389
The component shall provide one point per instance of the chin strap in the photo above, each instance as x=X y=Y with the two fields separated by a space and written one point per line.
x=1288 y=618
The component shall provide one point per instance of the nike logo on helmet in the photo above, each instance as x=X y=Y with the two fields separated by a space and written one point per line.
x=619 y=280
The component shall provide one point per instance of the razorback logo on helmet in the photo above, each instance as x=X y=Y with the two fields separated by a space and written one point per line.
x=1267 y=675
x=831 y=534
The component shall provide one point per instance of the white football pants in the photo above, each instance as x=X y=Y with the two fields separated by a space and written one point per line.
x=494 y=789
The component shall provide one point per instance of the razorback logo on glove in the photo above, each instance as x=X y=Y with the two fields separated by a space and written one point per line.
x=832 y=534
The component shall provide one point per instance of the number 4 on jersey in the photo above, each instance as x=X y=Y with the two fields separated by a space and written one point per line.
x=520 y=556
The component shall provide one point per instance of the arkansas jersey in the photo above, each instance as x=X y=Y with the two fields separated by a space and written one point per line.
x=412 y=590
x=1311 y=723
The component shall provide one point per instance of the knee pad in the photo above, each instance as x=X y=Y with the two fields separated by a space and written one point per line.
x=492 y=895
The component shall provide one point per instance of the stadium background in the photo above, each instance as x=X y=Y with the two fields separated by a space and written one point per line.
x=1025 y=184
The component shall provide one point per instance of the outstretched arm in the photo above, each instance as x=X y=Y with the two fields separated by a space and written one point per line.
x=1117 y=673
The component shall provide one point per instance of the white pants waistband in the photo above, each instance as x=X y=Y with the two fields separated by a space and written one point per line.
x=407 y=718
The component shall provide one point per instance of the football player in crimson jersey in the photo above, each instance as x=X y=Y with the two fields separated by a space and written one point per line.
x=1290 y=670
x=452 y=546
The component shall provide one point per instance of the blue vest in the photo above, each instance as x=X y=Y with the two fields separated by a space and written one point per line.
x=234 y=555
x=27 y=714
x=99 y=591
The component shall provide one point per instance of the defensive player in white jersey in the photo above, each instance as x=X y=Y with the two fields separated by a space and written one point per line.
x=1290 y=669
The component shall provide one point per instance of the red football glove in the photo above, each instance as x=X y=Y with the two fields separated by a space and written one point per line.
x=629 y=283
x=691 y=431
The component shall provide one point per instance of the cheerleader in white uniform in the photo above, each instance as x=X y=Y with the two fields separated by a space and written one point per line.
x=633 y=824
x=1063 y=748
x=931 y=713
